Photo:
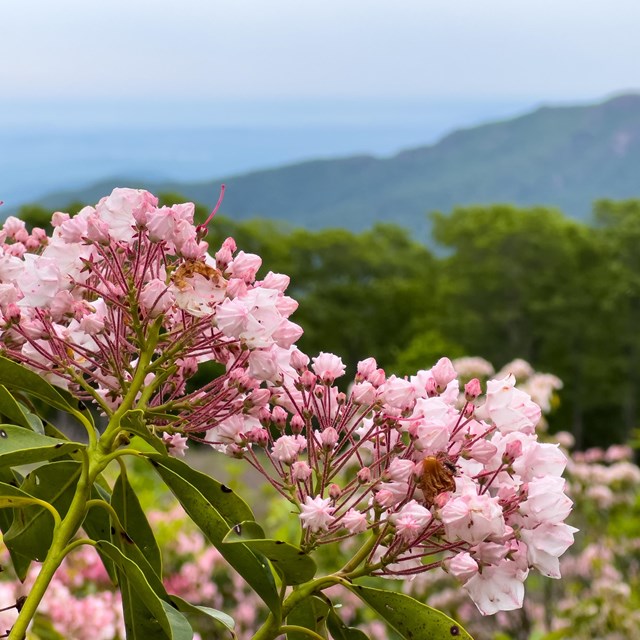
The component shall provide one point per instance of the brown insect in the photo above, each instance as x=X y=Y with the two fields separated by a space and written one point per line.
x=192 y=267
x=436 y=476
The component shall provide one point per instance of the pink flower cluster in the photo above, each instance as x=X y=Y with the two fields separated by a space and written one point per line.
x=83 y=306
x=464 y=486
x=126 y=292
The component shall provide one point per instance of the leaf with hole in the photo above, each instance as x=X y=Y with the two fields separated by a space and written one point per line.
x=293 y=564
x=226 y=501
x=201 y=508
x=410 y=618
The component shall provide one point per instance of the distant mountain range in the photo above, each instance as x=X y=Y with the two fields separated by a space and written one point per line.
x=563 y=156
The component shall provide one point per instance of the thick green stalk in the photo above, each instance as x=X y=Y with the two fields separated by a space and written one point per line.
x=361 y=555
x=98 y=455
x=62 y=535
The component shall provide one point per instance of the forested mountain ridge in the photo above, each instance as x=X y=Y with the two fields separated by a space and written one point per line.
x=564 y=157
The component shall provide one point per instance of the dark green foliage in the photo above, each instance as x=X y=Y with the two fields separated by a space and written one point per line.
x=502 y=283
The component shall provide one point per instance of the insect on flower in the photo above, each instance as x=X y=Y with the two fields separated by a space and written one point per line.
x=436 y=477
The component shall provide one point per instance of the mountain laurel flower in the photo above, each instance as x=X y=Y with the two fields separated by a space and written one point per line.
x=509 y=408
x=300 y=471
x=287 y=448
x=176 y=443
x=328 y=367
x=316 y=513
x=354 y=521
x=411 y=520
x=155 y=298
x=462 y=566
x=443 y=373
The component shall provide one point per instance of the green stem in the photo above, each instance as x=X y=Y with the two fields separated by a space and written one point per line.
x=137 y=383
x=62 y=534
x=361 y=555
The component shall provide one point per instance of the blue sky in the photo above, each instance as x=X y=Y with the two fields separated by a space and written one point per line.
x=209 y=87
x=537 y=50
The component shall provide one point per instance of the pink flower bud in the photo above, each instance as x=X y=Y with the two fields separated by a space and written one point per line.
x=257 y=436
x=277 y=281
x=297 y=424
x=363 y=393
x=300 y=471
x=258 y=398
x=334 y=491
x=307 y=380
x=245 y=266
x=223 y=258
x=377 y=378
x=366 y=368
x=235 y=451
x=512 y=451
x=329 y=438
x=472 y=389
x=299 y=361
x=12 y=313
x=264 y=415
x=444 y=373
x=97 y=230
x=364 y=475
x=279 y=417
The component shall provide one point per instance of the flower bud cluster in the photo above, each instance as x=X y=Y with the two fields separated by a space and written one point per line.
x=123 y=303
x=126 y=291
x=466 y=487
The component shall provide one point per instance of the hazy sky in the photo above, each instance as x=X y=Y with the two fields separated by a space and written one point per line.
x=199 y=49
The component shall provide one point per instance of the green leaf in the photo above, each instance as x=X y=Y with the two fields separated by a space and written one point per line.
x=133 y=421
x=225 y=500
x=16 y=412
x=310 y=613
x=293 y=564
x=200 y=508
x=20 y=446
x=32 y=529
x=135 y=523
x=410 y=618
x=340 y=631
x=146 y=615
x=97 y=526
x=20 y=563
x=16 y=376
x=196 y=610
